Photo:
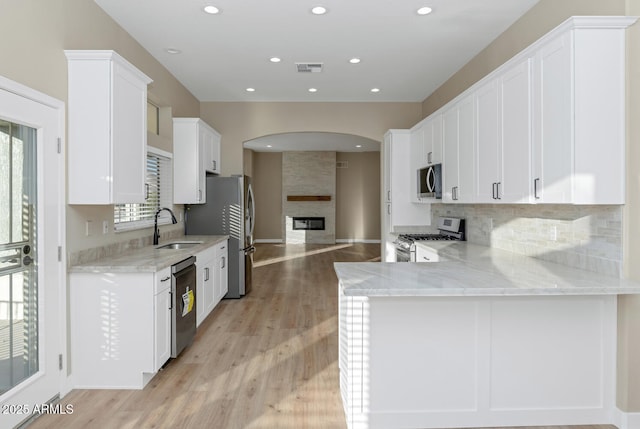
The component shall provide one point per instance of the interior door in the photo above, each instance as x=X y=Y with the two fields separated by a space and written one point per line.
x=31 y=274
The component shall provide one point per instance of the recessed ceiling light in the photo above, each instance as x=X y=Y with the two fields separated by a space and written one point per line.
x=354 y=60
x=318 y=10
x=210 y=9
x=313 y=90
x=172 y=51
x=251 y=89
x=358 y=145
x=275 y=59
x=425 y=10
x=375 y=89
x=269 y=145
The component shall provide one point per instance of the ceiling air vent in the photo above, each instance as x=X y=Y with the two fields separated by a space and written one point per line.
x=342 y=164
x=309 y=67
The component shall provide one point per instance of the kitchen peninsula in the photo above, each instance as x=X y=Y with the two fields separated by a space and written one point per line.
x=483 y=338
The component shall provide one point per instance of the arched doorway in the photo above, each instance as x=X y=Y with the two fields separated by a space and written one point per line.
x=338 y=173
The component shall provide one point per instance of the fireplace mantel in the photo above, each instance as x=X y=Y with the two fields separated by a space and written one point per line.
x=308 y=197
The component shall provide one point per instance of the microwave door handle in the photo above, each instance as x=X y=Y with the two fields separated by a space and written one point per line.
x=431 y=179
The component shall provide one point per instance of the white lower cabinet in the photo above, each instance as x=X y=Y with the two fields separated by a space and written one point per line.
x=120 y=328
x=221 y=286
x=211 y=284
x=425 y=254
x=476 y=361
x=205 y=268
x=162 y=312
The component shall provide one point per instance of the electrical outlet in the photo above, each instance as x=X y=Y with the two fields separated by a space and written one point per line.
x=88 y=226
x=105 y=227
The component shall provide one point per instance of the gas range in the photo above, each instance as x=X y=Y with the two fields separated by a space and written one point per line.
x=450 y=229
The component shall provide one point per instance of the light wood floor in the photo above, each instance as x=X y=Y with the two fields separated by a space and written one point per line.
x=268 y=360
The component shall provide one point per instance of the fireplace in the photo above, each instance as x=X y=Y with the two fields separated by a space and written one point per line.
x=308 y=223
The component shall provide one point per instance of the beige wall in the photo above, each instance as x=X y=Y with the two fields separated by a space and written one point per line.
x=239 y=122
x=629 y=306
x=358 y=196
x=543 y=17
x=267 y=186
x=35 y=33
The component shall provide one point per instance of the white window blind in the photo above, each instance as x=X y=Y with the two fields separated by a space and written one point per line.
x=159 y=193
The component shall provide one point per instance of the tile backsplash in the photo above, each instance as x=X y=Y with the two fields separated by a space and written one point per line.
x=586 y=237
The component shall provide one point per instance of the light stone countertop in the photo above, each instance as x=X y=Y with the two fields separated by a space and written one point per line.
x=474 y=270
x=149 y=258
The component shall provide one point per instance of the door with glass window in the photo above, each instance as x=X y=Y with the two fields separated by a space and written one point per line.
x=30 y=271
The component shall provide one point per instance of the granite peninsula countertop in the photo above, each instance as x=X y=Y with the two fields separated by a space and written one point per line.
x=474 y=270
x=149 y=258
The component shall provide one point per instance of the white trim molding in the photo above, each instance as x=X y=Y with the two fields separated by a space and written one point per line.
x=625 y=420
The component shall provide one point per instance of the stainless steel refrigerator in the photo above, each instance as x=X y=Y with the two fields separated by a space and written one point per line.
x=229 y=210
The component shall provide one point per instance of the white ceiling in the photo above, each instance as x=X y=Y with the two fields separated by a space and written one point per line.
x=334 y=142
x=405 y=55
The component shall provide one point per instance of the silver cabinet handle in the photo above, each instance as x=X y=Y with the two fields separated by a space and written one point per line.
x=535 y=188
x=498 y=191
x=206 y=274
x=165 y=279
x=199 y=194
x=388 y=208
x=214 y=164
x=388 y=195
x=429 y=157
x=224 y=262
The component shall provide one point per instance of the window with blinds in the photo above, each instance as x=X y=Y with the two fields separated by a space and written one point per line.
x=159 y=193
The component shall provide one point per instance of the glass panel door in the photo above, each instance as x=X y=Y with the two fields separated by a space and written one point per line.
x=18 y=267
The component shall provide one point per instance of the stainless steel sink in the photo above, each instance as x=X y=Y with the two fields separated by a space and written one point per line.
x=179 y=245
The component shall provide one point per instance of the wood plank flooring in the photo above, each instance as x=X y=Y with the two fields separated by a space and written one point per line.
x=268 y=360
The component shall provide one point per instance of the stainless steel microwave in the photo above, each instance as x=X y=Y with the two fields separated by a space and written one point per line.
x=430 y=181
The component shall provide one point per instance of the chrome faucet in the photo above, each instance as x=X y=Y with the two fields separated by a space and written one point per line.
x=156 y=231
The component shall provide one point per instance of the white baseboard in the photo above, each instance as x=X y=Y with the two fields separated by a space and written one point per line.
x=268 y=240
x=624 y=420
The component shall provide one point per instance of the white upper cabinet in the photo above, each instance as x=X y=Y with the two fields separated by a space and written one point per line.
x=458 y=132
x=426 y=149
x=503 y=136
x=432 y=141
x=196 y=151
x=399 y=208
x=546 y=127
x=416 y=161
x=514 y=151
x=578 y=151
x=107 y=129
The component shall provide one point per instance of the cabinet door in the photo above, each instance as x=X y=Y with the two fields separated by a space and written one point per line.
x=204 y=288
x=466 y=148
x=432 y=140
x=450 y=154
x=215 y=154
x=189 y=177
x=552 y=144
x=436 y=139
x=403 y=210
x=162 y=318
x=515 y=90
x=416 y=160
x=487 y=183
x=221 y=286
x=129 y=136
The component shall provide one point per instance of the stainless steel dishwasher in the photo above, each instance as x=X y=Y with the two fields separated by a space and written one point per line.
x=183 y=305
